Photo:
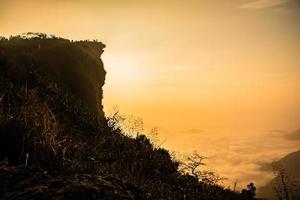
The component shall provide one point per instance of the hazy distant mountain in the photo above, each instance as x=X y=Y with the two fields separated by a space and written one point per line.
x=294 y=135
x=291 y=165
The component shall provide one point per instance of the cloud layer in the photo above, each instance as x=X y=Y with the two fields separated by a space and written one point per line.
x=243 y=157
x=262 y=4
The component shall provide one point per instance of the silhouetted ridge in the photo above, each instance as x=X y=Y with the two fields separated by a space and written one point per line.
x=55 y=142
x=286 y=169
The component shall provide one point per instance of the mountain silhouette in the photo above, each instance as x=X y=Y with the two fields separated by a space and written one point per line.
x=56 y=143
x=291 y=165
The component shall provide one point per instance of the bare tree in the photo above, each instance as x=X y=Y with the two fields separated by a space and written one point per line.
x=192 y=165
x=285 y=188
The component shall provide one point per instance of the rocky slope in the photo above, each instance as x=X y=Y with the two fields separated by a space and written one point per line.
x=32 y=183
x=55 y=142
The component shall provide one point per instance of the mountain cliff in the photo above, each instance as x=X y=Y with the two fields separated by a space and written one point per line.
x=56 y=143
x=60 y=67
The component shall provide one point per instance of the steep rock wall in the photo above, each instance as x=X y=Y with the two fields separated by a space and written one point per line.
x=74 y=66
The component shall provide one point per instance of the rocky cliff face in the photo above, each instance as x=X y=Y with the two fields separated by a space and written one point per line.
x=74 y=68
x=50 y=91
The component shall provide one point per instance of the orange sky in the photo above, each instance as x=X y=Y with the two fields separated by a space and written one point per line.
x=213 y=76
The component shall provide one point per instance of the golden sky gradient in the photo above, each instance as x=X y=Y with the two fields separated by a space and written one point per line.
x=221 y=77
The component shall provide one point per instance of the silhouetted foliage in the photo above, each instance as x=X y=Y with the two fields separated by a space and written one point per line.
x=249 y=192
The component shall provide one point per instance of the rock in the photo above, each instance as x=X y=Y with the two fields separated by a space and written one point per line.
x=76 y=65
x=16 y=184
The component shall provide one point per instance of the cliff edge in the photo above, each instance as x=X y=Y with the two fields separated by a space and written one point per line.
x=67 y=69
